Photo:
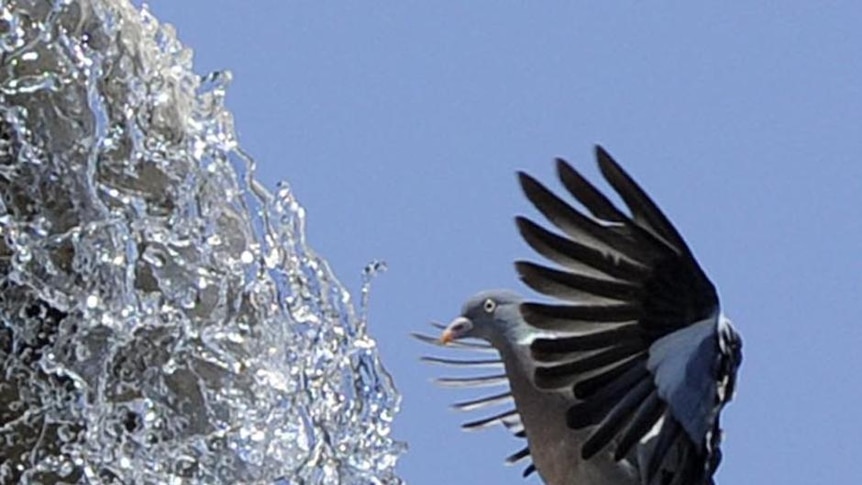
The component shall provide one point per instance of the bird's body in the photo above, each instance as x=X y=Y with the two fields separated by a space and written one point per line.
x=555 y=448
x=622 y=378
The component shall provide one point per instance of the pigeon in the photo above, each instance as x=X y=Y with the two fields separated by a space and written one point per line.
x=622 y=377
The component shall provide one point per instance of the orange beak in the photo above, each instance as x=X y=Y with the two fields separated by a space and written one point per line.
x=446 y=337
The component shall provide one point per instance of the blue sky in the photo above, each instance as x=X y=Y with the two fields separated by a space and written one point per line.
x=400 y=126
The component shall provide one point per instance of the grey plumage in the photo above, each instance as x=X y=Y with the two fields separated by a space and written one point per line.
x=620 y=379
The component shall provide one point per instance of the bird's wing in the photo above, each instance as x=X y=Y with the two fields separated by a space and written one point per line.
x=639 y=335
x=499 y=399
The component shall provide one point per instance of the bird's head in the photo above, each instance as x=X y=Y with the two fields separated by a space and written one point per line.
x=489 y=315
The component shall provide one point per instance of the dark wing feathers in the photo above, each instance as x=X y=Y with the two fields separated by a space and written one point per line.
x=642 y=421
x=589 y=385
x=601 y=338
x=627 y=282
x=593 y=410
x=490 y=420
x=670 y=433
x=509 y=418
x=576 y=255
x=595 y=201
x=572 y=286
x=463 y=362
x=616 y=416
x=483 y=402
x=576 y=225
x=567 y=373
x=518 y=455
x=646 y=213
x=539 y=312
x=473 y=381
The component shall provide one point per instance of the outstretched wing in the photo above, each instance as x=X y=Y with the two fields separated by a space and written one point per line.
x=639 y=335
x=502 y=398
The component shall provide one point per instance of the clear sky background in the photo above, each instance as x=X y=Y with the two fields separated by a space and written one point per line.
x=400 y=126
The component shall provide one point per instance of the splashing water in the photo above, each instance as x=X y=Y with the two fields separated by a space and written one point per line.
x=162 y=319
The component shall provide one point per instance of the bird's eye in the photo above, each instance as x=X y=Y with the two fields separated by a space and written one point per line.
x=490 y=305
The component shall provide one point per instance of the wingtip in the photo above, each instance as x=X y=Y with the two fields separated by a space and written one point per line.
x=527 y=182
x=527 y=271
x=521 y=221
x=615 y=174
x=563 y=168
x=522 y=265
x=526 y=227
x=605 y=160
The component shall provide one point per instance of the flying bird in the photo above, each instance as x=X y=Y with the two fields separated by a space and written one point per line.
x=622 y=377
